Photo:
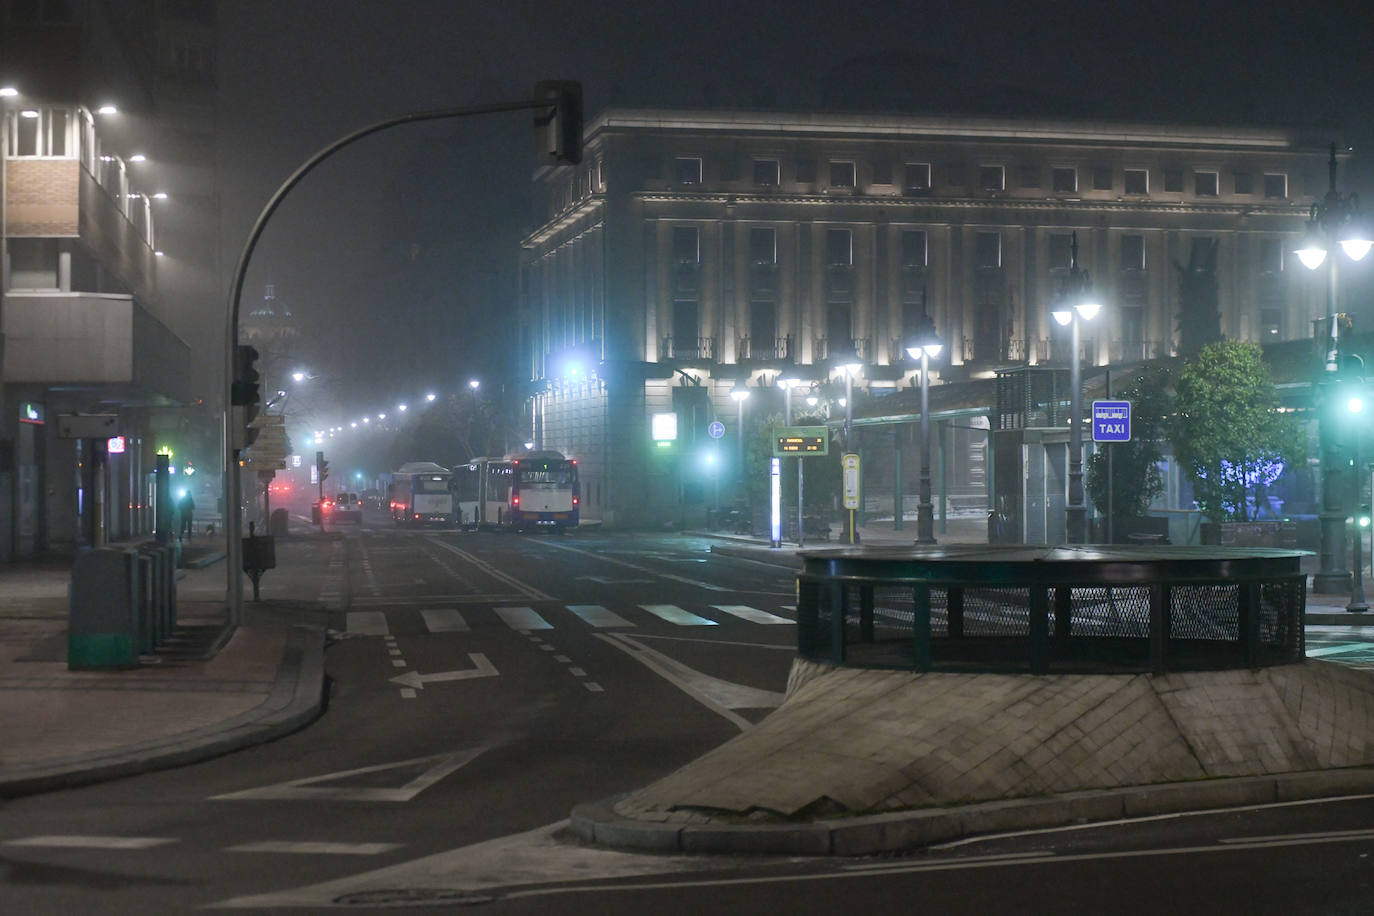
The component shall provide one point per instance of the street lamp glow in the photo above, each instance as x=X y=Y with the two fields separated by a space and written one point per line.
x=1088 y=310
x=367 y=419
x=107 y=110
x=401 y=408
x=1063 y=316
x=298 y=376
x=159 y=195
x=431 y=396
x=353 y=425
x=739 y=393
x=529 y=446
x=1355 y=404
x=381 y=416
x=138 y=157
x=29 y=113
x=474 y=384
x=8 y=92
x=1356 y=249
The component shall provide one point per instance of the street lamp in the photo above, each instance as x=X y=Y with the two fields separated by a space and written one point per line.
x=739 y=394
x=787 y=384
x=1334 y=218
x=1083 y=304
x=1358 y=605
x=850 y=367
x=474 y=384
x=925 y=346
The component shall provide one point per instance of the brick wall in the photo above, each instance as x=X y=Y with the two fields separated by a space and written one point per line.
x=42 y=197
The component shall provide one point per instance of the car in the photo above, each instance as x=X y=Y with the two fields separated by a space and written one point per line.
x=344 y=508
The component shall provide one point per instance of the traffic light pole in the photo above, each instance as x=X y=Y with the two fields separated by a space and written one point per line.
x=554 y=97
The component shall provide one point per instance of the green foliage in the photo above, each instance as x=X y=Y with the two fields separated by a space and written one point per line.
x=1135 y=480
x=823 y=480
x=1228 y=432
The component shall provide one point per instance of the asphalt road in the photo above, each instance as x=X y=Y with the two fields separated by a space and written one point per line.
x=484 y=683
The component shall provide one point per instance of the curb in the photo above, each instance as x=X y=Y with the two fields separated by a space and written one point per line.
x=598 y=823
x=202 y=562
x=295 y=700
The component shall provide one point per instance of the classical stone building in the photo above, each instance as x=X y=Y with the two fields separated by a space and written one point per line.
x=694 y=251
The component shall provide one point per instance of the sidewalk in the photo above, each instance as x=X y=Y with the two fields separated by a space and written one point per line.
x=210 y=690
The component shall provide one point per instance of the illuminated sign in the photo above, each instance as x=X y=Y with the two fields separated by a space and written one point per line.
x=115 y=445
x=664 y=427
x=31 y=413
x=802 y=441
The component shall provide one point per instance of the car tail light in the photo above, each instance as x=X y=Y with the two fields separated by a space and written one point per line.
x=575 y=500
x=417 y=515
x=515 y=500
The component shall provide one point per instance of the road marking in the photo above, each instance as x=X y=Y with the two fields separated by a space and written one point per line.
x=417 y=680
x=577 y=672
x=366 y=623
x=676 y=615
x=637 y=568
x=753 y=615
x=562 y=658
x=398 y=663
x=603 y=580
x=308 y=848
x=719 y=696
x=522 y=618
x=407 y=693
x=1337 y=650
x=306 y=790
x=529 y=592
x=593 y=686
x=598 y=616
x=431 y=600
x=444 y=620
x=91 y=842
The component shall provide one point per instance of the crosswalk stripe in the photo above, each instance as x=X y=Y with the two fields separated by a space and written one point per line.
x=367 y=623
x=753 y=615
x=308 y=848
x=444 y=620
x=522 y=618
x=598 y=616
x=91 y=842
x=676 y=615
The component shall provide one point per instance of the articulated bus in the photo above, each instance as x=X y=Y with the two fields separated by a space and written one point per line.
x=527 y=490
x=419 y=494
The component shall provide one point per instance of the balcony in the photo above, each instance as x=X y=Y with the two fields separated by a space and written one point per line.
x=768 y=349
x=689 y=348
x=1057 y=351
x=840 y=348
x=1130 y=351
x=101 y=341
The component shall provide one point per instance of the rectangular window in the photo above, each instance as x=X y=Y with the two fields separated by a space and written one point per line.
x=1275 y=186
x=1137 y=181
x=841 y=174
x=1030 y=176
x=1065 y=180
x=763 y=245
x=1061 y=250
x=1173 y=181
x=1271 y=324
x=914 y=248
x=806 y=170
x=992 y=178
x=1133 y=252
x=1270 y=256
x=839 y=247
x=687 y=170
x=1202 y=251
x=1133 y=328
x=1205 y=184
x=766 y=173
x=763 y=329
x=686 y=245
x=686 y=344
x=987 y=249
x=1243 y=183
x=1102 y=179
x=917 y=176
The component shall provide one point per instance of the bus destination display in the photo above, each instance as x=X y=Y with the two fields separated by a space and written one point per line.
x=801 y=441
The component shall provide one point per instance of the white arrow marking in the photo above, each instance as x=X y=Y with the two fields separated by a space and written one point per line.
x=417 y=680
x=305 y=789
x=603 y=580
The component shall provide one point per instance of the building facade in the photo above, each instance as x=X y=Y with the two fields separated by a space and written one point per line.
x=101 y=132
x=695 y=251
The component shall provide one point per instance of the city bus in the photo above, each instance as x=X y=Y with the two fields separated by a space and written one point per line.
x=527 y=490
x=420 y=494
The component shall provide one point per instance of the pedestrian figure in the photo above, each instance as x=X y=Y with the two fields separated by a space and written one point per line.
x=186 y=508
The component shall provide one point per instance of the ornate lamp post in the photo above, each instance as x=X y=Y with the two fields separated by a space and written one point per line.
x=1334 y=218
x=1357 y=605
x=1083 y=304
x=925 y=346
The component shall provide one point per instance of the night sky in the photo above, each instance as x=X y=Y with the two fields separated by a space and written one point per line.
x=394 y=253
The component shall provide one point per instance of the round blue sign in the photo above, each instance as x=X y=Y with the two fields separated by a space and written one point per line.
x=716 y=429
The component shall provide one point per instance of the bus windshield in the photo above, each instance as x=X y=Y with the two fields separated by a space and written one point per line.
x=431 y=483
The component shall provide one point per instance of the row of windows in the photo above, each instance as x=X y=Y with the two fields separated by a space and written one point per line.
x=917 y=177
x=915 y=249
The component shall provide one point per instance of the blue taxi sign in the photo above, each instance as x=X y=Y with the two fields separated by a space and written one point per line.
x=1111 y=421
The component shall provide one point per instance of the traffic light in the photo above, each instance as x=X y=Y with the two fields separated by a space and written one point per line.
x=321 y=466
x=558 y=127
x=246 y=394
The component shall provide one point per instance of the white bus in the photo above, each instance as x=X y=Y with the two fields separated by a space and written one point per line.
x=420 y=494
x=527 y=490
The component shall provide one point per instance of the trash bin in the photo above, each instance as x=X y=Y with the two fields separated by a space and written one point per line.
x=103 y=620
x=277 y=522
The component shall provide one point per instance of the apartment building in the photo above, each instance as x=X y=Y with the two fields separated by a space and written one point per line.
x=694 y=251
x=99 y=299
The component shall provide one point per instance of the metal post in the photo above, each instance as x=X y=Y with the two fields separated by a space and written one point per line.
x=898 y=497
x=1358 y=604
x=851 y=535
x=739 y=447
x=1111 y=476
x=925 y=523
x=1075 y=513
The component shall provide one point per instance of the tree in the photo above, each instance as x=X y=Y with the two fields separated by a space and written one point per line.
x=1135 y=480
x=1228 y=431
x=1199 y=317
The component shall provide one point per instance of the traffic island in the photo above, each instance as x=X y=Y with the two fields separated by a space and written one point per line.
x=948 y=692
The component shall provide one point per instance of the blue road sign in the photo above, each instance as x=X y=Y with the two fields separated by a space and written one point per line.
x=716 y=429
x=1111 y=421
